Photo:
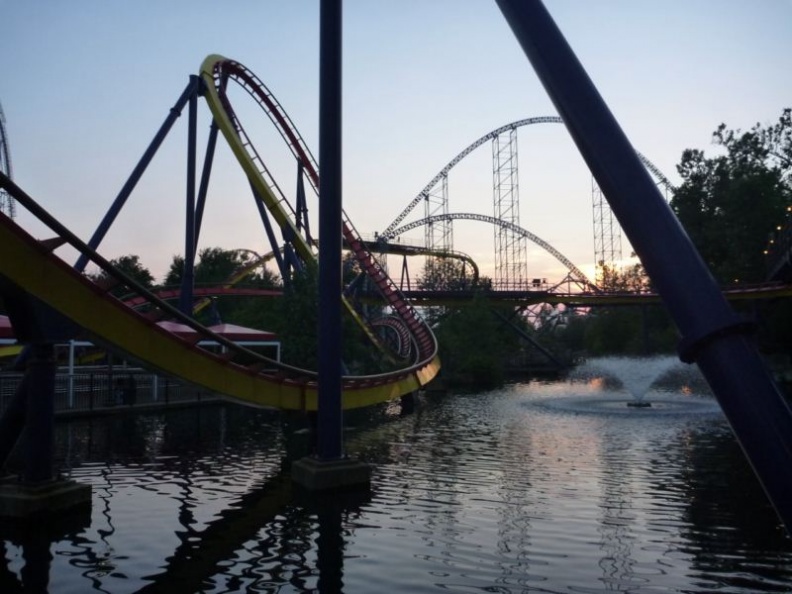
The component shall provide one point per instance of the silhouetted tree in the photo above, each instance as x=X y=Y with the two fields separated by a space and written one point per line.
x=218 y=267
x=630 y=279
x=731 y=203
x=447 y=274
x=296 y=323
x=132 y=267
x=623 y=329
x=215 y=266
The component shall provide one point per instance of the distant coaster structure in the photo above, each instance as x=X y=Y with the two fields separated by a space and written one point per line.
x=7 y=205
x=510 y=238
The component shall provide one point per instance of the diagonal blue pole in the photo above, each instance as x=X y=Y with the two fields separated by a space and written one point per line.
x=713 y=336
x=104 y=226
x=330 y=411
x=190 y=241
x=206 y=173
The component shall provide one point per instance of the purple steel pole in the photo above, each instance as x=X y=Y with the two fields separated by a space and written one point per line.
x=206 y=173
x=188 y=278
x=330 y=411
x=713 y=336
x=40 y=417
x=104 y=226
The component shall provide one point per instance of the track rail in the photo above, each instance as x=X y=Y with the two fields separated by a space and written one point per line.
x=110 y=322
x=388 y=233
x=401 y=332
x=574 y=270
x=217 y=71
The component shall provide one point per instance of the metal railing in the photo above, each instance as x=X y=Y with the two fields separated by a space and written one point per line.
x=105 y=390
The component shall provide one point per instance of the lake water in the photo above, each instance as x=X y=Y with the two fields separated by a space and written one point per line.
x=536 y=487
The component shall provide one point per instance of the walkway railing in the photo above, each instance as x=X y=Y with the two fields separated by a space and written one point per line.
x=100 y=390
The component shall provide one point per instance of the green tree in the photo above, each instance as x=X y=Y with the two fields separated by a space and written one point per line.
x=217 y=267
x=298 y=318
x=625 y=329
x=132 y=267
x=474 y=344
x=447 y=274
x=296 y=323
x=731 y=203
x=630 y=279
x=350 y=268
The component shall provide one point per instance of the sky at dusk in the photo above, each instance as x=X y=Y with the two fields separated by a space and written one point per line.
x=85 y=85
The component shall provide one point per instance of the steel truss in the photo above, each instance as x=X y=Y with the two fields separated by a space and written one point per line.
x=607 y=234
x=438 y=235
x=510 y=255
x=511 y=266
x=7 y=204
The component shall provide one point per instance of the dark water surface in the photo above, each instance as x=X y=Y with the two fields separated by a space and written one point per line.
x=537 y=487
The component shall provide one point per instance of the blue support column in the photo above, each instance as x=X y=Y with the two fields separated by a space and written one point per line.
x=188 y=276
x=39 y=492
x=206 y=173
x=330 y=469
x=40 y=417
x=283 y=267
x=12 y=422
x=330 y=410
x=713 y=336
x=302 y=205
x=192 y=88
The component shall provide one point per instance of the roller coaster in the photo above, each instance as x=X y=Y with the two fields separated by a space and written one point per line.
x=36 y=271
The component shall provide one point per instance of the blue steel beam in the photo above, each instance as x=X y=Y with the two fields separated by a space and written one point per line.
x=713 y=336
x=330 y=416
x=40 y=416
x=206 y=173
x=190 y=242
x=193 y=87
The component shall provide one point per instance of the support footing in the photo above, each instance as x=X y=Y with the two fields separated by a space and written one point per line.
x=318 y=475
x=18 y=500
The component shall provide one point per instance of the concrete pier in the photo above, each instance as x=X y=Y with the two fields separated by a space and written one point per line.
x=21 y=500
x=318 y=475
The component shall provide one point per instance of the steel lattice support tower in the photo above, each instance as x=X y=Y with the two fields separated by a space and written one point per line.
x=511 y=267
x=7 y=204
x=607 y=233
x=438 y=236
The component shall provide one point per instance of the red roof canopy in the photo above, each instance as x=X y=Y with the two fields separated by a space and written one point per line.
x=235 y=332
x=229 y=331
x=6 y=329
x=180 y=330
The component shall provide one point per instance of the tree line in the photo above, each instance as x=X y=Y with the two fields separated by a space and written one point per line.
x=731 y=204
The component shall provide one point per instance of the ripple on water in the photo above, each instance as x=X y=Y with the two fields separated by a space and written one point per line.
x=529 y=488
x=613 y=403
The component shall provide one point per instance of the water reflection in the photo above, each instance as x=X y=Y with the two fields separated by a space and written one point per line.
x=201 y=554
x=25 y=549
x=473 y=492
